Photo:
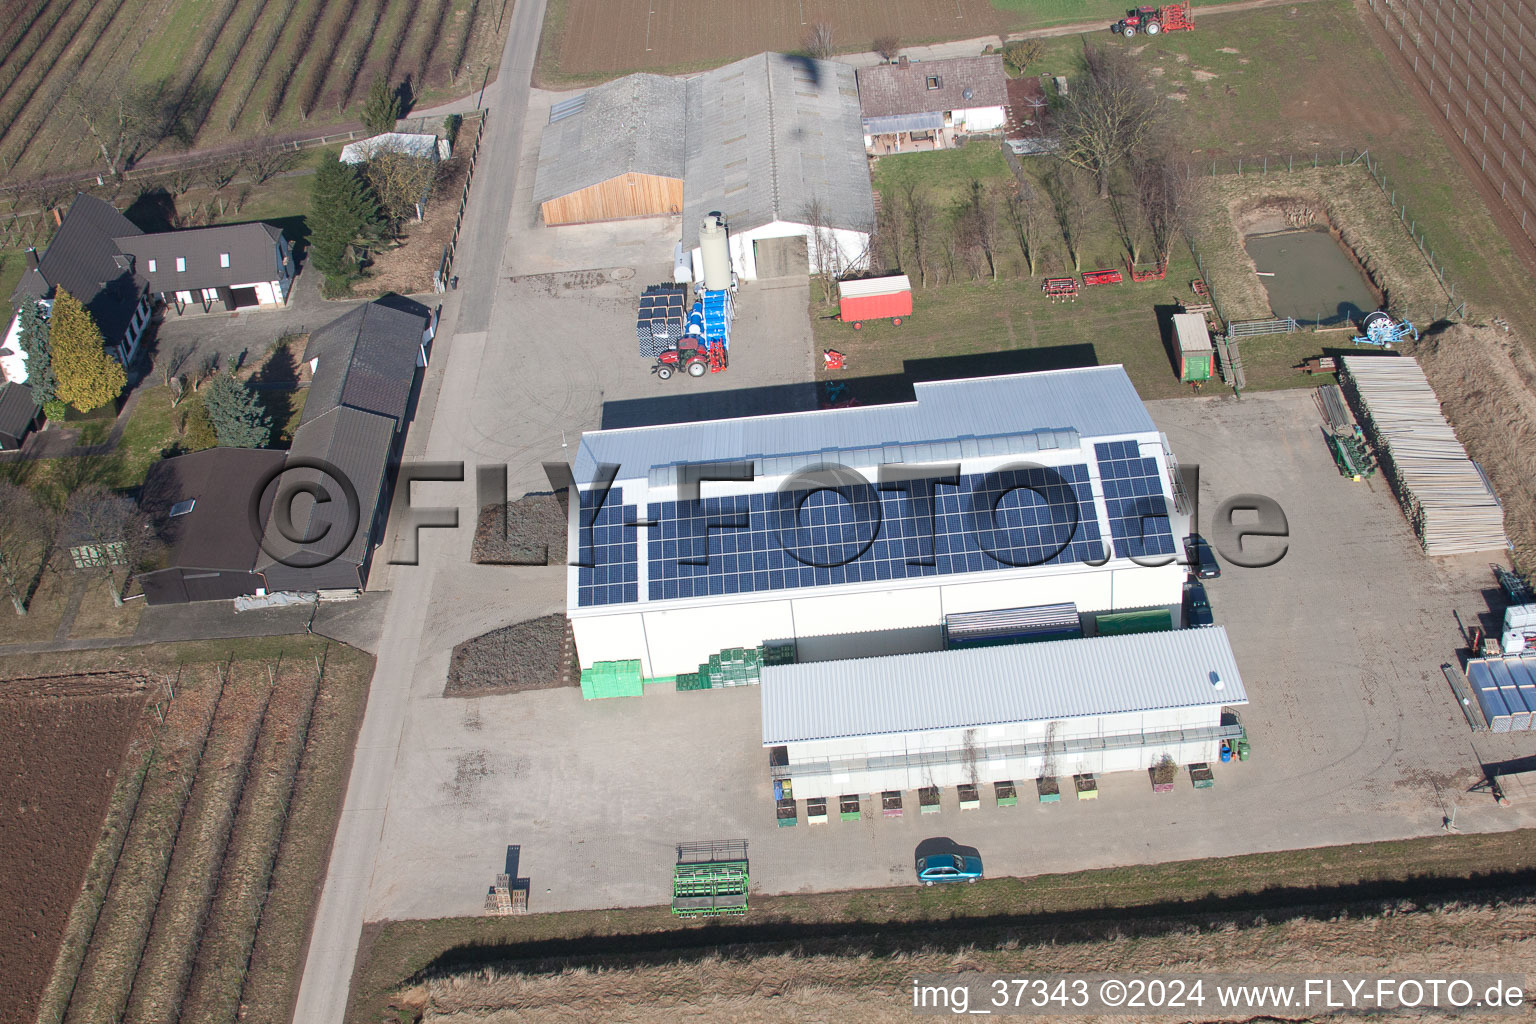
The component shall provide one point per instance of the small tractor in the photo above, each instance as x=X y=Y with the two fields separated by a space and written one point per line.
x=1381 y=330
x=1155 y=20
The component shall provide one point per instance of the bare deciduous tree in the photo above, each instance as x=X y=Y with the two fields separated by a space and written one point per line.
x=25 y=543
x=818 y=41
x=1023 y=210
x=400 y=181
x=175 y=360
x=107 y=535
x=976 y=229
x=125 y=122
x=1069 y=203
x=1164 y=183
x=918 y=212
x=1126 y=212
x=888 y=47
x=266 y=162
x=1109 y=115
x=217 y=174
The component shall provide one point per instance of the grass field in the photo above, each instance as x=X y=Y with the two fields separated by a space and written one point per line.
x=231 y=70
x=199 y=894
x=397 y=955
x=1235 y=93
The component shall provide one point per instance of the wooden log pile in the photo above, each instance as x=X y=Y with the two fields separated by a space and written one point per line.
x=1444 y=496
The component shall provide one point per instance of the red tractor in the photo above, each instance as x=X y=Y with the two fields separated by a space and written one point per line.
x=1155 y=20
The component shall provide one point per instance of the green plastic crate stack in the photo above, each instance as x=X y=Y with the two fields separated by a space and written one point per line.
x=612 y=679
x=735 y=666
x=691 y=681
x=779 y=653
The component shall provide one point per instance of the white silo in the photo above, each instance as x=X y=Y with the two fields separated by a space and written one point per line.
x=717 y=254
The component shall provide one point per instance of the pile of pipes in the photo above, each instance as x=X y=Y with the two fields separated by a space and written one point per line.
x=1445 y=496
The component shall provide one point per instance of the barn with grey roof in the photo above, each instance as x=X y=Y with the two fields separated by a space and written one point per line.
x=773 y=142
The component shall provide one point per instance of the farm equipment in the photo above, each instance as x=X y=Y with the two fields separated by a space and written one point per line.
x=1060 y=288
x=1155 y=20
x=700 y=341
x=1148 y=271
x=875 y=298
x=1346 y=443
x=1381 y=330
x=710 y=879
x=1093 y=277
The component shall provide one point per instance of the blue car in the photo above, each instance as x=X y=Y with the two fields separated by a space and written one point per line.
x=948 y=867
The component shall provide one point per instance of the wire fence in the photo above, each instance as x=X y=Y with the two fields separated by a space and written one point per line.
x=1454 y=306
x=1475 y=61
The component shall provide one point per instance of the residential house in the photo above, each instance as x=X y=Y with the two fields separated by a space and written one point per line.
x=930 y=104
x=365 y=368
x=119 y=272
x=19 y=415
x=200 y=506
x=233 y=265
x=85 y=260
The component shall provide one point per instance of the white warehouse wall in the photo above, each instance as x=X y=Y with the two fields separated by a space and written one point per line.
x=852 y=248
x=987 y=770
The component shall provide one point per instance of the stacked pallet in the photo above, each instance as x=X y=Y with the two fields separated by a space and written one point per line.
x=1444 y=495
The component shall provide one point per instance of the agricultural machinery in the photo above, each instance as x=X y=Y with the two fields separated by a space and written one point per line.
x=694 y=340
x=1381 y=330
x=1155 y=20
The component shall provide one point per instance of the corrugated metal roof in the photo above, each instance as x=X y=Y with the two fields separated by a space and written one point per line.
x=905 y=87
x=1096 y=401
x=896 y=123
x=634 y=123
x=770 y=134
x=966 y=689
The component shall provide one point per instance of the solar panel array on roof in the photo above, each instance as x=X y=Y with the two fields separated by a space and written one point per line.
x=766 y=542
x=608 y=545
x=1133 y=495
x=659 y=325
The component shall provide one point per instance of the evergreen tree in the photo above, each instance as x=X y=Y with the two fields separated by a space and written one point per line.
x=34 y=343
x=88 y=377
x=382 y=108
x=345 y=218
x=238 y=419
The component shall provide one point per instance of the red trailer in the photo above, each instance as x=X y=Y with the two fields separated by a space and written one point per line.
x=874 y=298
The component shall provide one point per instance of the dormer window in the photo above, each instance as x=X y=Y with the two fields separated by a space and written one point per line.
x=181 y=265
x=151 y=266
x=224 y=259
x=935 y=82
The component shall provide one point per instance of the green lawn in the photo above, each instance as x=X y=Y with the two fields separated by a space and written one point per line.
x=1316 y=82
x=946 y=173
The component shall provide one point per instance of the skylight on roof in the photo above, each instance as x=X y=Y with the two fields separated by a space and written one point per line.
x=181 y=508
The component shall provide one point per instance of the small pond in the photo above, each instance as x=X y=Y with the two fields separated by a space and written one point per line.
x=1314 y=280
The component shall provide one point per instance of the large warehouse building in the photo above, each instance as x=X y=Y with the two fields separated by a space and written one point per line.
x=1023 y=711
x=1007 y=492
x=773 y=142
